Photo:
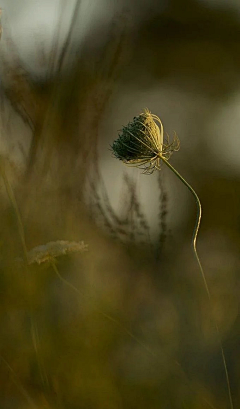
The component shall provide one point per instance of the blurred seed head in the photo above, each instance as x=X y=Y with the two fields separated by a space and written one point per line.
x=53 y=249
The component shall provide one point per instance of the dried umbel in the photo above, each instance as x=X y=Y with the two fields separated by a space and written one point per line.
x=53 y=249
x=141 y=143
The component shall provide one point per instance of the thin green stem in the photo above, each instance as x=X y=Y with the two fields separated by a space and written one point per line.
x=194 y=244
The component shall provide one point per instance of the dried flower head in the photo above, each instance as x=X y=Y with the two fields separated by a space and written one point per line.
x=53 y=249
x=141 y=143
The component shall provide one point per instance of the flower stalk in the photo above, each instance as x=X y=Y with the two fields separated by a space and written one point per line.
x=141 y=143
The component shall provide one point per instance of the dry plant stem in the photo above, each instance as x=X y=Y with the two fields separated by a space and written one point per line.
x=18 y=384
x=12 y=200
x=107 y=316
x=34 y=335
x=123 y=328
x=194 y=244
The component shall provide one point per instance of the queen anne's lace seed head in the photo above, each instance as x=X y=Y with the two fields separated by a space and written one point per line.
x=141 y=143
x=53 y=249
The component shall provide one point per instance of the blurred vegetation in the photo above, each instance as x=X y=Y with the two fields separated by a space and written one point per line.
x=126 y=324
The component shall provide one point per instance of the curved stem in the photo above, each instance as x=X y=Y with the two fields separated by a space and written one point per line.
x=198 y=221
x=194 y=244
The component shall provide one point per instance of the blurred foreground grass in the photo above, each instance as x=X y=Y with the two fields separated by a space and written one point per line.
x=114 y=326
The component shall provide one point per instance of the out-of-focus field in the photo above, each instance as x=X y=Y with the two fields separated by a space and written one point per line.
x=127 y=323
